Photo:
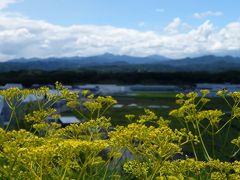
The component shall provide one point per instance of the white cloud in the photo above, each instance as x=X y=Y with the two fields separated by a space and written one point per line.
x=23 y=37
x=176 y=26
x=5 y=3
x=207 y=14
x=173 y=26
x=160 y=10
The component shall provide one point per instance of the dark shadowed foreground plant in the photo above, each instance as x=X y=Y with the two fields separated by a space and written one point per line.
x=147 y=148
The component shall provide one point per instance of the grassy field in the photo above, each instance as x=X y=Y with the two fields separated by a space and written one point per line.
x=135 y=104
x=160 y=103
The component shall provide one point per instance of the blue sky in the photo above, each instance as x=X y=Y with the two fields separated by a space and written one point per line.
x=171 y=28
x=155 y=14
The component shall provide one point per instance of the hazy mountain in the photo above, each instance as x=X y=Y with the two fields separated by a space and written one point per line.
x=107 y=61
x=208 y=63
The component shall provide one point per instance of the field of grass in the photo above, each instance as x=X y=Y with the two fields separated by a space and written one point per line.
x=154 y=94
x=135 y=104
x=162 y=102
x=166 y=101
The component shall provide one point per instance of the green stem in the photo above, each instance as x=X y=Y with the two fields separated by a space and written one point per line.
x=193 y=147
x=213 y=143
x=81 y=114
x=16 y=119
x=65 y=171
x=104 y=111
x=10 y=120
x=205 y=129
x=219 y=130
x=202 y=142
x=225 y=99
x=107 y=168
x=226 y=137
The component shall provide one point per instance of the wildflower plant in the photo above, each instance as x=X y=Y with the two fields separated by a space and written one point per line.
x=32 y=147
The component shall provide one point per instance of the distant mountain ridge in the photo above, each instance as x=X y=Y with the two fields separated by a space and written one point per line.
x=154 y=63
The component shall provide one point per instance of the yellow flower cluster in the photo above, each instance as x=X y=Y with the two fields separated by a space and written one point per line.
x=146 y=148
x=39 y=116
x=151 y=143
x=137 y=169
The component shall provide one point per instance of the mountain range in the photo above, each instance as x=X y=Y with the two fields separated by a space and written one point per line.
x=110 y=62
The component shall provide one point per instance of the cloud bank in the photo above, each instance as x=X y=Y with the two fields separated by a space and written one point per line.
x=24 y=37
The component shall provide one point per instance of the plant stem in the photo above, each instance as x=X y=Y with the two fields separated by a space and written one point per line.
x=193 y=147
x=226 y=137
x=202 y=142
x=213 y=143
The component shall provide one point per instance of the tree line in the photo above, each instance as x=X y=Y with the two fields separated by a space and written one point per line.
x=30 y=77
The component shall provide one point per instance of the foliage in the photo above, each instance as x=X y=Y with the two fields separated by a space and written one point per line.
x=31 y=147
